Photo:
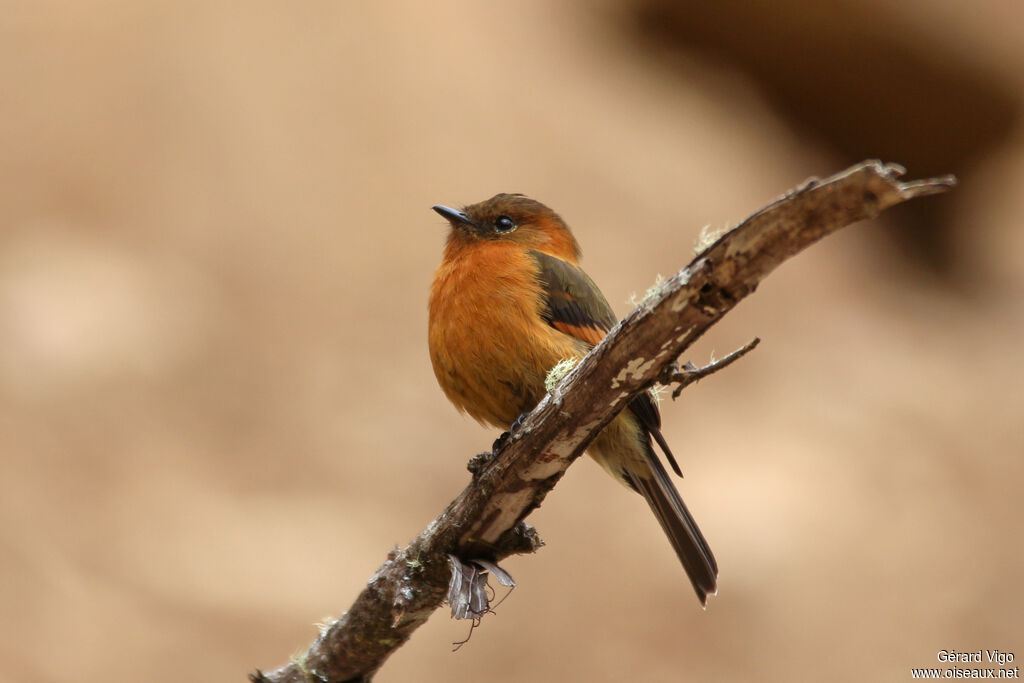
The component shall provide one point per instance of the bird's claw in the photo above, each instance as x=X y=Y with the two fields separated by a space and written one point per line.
x=502 y=440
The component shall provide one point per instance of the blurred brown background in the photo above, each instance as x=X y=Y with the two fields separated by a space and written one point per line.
x=217 y=412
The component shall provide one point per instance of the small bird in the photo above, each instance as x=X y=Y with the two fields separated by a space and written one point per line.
x=508 y=302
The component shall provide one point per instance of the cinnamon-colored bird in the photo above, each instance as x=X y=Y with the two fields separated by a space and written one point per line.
x=508 y=302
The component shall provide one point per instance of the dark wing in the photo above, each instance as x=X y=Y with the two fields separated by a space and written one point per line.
x=574 y=305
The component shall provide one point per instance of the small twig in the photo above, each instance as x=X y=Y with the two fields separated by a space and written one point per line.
x=690 y=373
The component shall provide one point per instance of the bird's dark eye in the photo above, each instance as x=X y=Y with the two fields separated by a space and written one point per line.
x=504 y=224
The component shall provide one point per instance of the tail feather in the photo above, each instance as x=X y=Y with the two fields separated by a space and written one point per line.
x=693 y=551
x=656 y=433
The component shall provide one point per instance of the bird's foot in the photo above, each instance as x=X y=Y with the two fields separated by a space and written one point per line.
x=480 y=461
x=500 y=442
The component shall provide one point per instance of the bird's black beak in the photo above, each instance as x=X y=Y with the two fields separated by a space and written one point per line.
x=453 y=216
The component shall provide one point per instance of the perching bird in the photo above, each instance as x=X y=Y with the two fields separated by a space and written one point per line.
x=508 y=302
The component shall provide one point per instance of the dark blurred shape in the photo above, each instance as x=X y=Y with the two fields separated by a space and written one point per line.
x=860 y=82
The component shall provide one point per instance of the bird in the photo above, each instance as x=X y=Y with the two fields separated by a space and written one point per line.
x=508 y=302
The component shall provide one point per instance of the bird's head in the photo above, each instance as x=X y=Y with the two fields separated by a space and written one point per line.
x=512 y=218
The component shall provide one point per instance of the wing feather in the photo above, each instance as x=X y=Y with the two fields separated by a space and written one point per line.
x=575 y=306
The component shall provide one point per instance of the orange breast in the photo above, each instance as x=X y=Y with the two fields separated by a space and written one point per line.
x=489 y=346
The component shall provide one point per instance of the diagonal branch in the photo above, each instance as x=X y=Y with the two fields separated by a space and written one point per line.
x=486 y=519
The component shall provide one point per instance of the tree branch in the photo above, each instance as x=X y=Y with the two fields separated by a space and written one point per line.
x=486 y=519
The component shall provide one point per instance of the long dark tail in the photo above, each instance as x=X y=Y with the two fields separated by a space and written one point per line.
x=693 y=551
